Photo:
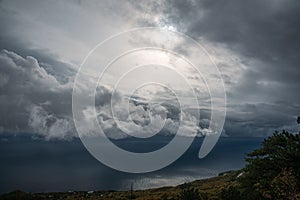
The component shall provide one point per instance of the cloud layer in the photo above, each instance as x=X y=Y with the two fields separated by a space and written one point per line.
x=256 y=45
x=34 y=101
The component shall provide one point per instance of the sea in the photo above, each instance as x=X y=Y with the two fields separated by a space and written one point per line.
x=35 y=165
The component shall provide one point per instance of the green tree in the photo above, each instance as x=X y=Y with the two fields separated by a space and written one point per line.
x=278 y=152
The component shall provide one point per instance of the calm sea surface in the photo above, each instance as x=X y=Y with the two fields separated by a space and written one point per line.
x=42 y=166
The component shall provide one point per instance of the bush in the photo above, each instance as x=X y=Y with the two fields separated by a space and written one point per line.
x=232 y=193
x=189 y=194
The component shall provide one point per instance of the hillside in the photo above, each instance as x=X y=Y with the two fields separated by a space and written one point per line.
x=210 y=187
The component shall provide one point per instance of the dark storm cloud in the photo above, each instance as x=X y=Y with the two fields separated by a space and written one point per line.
x=261 y=119
x=266 y=35
x=263 y=30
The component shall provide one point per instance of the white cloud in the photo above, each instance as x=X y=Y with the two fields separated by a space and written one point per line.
x=32 y=100
x=49 y=125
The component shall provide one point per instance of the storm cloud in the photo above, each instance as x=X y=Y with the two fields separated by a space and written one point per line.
x=256 y=45
x=264 y=35
x=34 y=101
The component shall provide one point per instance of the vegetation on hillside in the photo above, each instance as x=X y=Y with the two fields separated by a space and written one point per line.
x=272 y=172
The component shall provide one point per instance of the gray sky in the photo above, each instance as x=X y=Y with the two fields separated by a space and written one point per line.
x=256 y=45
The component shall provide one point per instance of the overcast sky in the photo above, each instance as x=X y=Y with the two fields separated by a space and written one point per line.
x=255 y=44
